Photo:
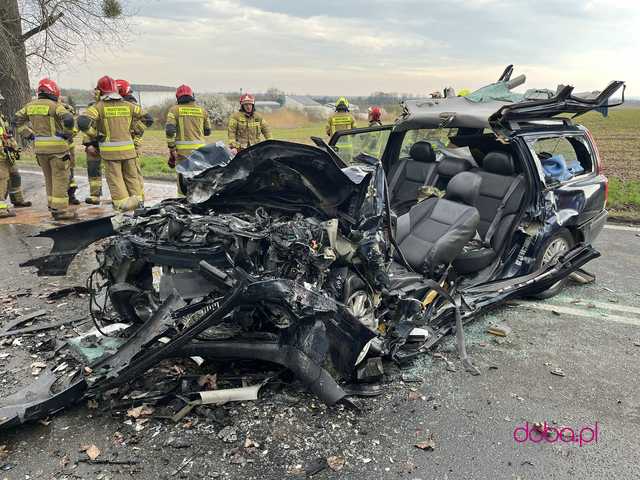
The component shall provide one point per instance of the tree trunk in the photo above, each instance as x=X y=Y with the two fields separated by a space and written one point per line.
x=14 y=74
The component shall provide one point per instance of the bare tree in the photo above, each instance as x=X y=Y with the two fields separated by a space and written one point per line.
x=35 y=34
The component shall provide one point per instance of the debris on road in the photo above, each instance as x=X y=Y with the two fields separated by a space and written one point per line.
x=557 y=371
x=336 y=462
x=499 y=330
x=91 y=451
x=429 y=444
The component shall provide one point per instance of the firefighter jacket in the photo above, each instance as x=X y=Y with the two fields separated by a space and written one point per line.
x=187 y=125
x=48 y=122
x=138 y=128
x=340 y=121
x=6 y=139
x=110 y=122
x=245 y=130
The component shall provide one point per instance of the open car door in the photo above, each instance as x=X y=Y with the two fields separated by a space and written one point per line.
x=371 y=141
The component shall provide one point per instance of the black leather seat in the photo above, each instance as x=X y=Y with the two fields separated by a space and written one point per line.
x=433 y=233
x=449 y=167
x=409 y=174
x=499 y=181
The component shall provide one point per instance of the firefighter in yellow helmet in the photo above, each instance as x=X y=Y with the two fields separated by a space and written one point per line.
x=246 y=126
x=341 y=119
x=109 y=122
x=187 y=125
x=465 y=92
x=46 y=122
x=10 y=180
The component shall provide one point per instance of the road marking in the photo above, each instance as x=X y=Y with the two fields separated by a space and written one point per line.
x=547 y=307
x=624 y=228
x=602 y=305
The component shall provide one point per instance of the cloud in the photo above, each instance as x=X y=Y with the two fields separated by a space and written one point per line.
x=356 y=47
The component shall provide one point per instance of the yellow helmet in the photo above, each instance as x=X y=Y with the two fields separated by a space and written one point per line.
x=464 y=92
x=342 y=101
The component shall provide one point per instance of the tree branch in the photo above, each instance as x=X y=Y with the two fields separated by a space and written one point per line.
x=43 y=26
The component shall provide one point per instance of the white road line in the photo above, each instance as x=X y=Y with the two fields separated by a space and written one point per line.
x=577 y=312
x=602 y=305
x=624 y=228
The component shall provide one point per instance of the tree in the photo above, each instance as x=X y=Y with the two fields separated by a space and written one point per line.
x=39 y=33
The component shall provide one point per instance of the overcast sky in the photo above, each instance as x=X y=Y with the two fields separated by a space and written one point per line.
x=355 y=47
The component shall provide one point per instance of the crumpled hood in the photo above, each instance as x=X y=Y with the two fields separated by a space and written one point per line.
x=277 y=172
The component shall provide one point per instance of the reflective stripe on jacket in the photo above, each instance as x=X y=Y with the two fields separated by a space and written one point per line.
x=245 y=130
x=340 y=121
x=44 y=118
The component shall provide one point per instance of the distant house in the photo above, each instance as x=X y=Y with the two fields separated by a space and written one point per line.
x=267 y=106
x=305 y=104
x=153 y=95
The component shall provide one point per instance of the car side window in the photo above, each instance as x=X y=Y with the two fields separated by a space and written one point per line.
x=561 y=158
x=437 y=137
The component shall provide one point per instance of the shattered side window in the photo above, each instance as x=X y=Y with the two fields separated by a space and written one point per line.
x=348 y=147
x=438 y=137
x=562 y=158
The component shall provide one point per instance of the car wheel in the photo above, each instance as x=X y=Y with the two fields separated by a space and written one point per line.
x=559 y=243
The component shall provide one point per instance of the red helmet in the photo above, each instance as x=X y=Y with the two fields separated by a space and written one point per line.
x=124 y=87
x=247 y=98
x=184 y=91
x=107 y=85
x=48 y=86
x=375 y=113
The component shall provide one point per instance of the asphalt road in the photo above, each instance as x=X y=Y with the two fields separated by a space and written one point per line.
x=590 y=333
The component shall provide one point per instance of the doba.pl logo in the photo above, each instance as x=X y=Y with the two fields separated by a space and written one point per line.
x=537 y=432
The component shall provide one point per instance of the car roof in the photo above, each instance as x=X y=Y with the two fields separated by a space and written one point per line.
x=503 y=113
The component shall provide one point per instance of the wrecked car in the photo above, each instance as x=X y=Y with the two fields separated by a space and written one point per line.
x=296 y=255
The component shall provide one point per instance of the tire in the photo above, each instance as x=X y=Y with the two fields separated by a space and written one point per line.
x=559 y=243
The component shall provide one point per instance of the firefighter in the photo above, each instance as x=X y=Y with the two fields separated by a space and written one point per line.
x=9 y=154
x=341 y=119
x=138 y=128
x=46 y=122
x=246 y=126
x=73 y=185
x=375 y=116
x=109 y=122
x=187 y=125
x=94 y=163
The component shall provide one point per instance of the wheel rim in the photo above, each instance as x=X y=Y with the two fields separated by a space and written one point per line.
x=555 y=248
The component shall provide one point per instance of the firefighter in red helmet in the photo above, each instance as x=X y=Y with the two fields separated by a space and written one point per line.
x=246 y=126
x=50 y=126
x=109 y=122
x=374 y=116
x=186 y=126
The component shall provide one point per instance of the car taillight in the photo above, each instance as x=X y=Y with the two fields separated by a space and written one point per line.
x=596 y=152
x=606 y=191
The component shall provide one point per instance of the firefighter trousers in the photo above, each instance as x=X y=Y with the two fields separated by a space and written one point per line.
x=4 y=182
x=15 y=185
x=94 y=172
x=125 y=183
x=56 y=178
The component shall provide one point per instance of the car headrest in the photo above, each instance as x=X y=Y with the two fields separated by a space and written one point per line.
x=464 y=188
x=500 y=163
x=422 y=151
x=449 y=166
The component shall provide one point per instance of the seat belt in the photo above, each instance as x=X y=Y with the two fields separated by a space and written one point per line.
x=500 y=212
x=396 y=176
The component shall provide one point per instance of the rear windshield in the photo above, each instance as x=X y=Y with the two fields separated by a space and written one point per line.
x=562 y=158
